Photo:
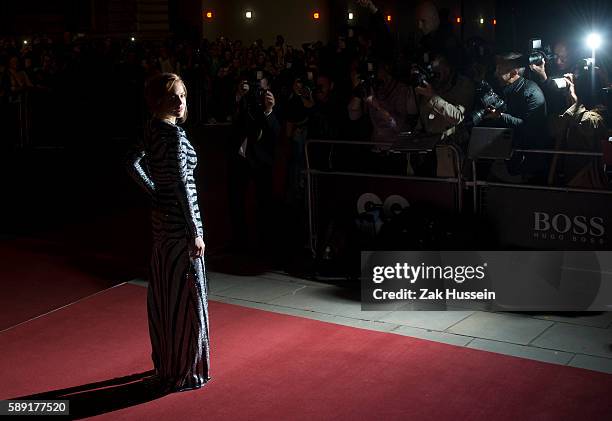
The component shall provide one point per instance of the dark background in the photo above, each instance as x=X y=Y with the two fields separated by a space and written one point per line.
x=518 y=21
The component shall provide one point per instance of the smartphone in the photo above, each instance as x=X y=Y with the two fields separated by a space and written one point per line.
x=259 y=75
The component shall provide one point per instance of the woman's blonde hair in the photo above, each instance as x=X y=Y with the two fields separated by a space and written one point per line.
x=157 y=87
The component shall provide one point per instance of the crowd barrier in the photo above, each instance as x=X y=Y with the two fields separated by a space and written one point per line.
x=17 y=127
x=545 y=217
x=524 y=216
x=331 y=192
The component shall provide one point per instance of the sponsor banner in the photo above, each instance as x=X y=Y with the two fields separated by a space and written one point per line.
x=549 y=220
x=346 y=197
x=492 y=280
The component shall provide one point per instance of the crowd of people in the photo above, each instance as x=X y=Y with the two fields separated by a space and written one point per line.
x=359 y=86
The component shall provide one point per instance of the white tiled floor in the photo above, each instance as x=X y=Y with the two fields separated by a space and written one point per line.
x=583 y=341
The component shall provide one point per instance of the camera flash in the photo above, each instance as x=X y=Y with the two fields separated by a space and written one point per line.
x=536 y=44
x=594 y=41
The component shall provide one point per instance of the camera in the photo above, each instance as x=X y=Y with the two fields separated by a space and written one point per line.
x=309 y=84
x=306 y=85
x=539 y=54
x=367 y=75
x=488 y=99
x=256 y=95
x=560 y=82
x=420 y=76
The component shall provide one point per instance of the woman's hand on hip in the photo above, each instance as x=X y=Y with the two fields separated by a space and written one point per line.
x=197 y=247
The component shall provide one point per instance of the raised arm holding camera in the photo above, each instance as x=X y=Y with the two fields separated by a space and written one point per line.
x=251 y=158
x=549 y=69
x=582 y=127
x=443 y=100
x=388 y=102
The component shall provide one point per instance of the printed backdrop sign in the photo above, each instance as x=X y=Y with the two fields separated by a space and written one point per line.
x=549 y=220
x=346 y=197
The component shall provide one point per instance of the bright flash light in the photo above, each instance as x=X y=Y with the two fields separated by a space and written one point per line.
x=389 y=18
x=594 y=41
x=481 y=21
x=316 y=15
x=25 y=42
x=249 y=15
x=209 y=15
x=133 y=39
x=351 y=16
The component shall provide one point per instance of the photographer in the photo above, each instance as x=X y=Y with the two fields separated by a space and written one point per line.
x=561 y=62
x=443 y=102
x=547 y=71
x=582 y=128
x=389 y=103
x=525 y=113
x=251 y=159
x=445 y=99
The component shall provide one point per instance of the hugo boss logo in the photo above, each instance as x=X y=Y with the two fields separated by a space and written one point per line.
x=562 y=227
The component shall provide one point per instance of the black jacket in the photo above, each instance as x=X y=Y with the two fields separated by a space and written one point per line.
x=526 y=114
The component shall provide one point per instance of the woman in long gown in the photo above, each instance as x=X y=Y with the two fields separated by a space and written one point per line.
x=177 y=300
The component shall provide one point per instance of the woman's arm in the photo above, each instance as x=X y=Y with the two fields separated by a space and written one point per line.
x=177 y=164
x=137 y=172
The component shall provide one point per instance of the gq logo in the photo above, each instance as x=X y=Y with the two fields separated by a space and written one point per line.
x=563 y=227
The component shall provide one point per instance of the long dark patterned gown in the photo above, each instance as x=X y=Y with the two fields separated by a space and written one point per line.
x=177 y=301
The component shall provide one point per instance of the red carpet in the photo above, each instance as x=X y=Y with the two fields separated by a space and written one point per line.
x=38 y=277
x=268 y=366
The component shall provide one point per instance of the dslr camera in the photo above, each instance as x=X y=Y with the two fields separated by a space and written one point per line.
x=367 y=75
x=306 y=85
x=487 y=98
x=256 y=95
x=539 y=53
x=419 y=76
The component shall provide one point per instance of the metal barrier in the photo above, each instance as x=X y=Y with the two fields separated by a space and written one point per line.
x=312 y=173
x=19 y=107
x=546 y=217
x=475 y=183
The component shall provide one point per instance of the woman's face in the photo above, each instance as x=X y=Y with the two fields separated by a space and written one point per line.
x=174 y=103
